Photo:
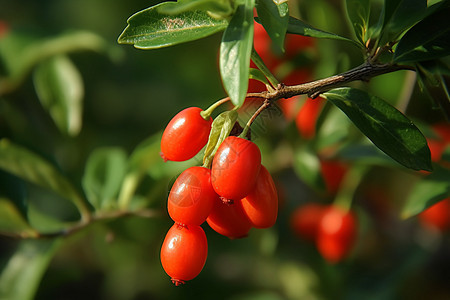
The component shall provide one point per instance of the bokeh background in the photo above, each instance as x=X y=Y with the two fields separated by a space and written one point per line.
x=130 y=95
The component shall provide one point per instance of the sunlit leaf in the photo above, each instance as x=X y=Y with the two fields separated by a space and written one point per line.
x=103 y=175
x=428 y=191
x=385 y=126
x=149 y=29
x=235 y=52
x=428 y=39
x=297 y=26
x=274 y=18
x=23 y=272
x=60 y=89
x=219 y=8
x=258 y=75
x=32 y=168
x=358 y=12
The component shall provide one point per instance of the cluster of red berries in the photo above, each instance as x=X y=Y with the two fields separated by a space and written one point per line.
x=331 y=228
x=234 y=195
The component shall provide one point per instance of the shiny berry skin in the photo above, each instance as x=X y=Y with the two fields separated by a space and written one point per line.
x=229 y=220
x=437 y=216
x=261 y=205
x=185 y=135
x=235 y=168
x=184 y=252
x=192 y=196
x=336 y=234
x=305 y=220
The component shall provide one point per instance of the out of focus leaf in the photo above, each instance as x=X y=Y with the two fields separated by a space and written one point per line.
x=274 y=17
x=428 y=191
x=385 y=126
x=235 y=52
x=307 y=167
x=22 y=274
x=105 y=170
x=60 y=89
x=32 y=168
x=12 y=221
x=149 y=29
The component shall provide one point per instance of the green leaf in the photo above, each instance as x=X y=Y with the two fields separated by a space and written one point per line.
x=149 y=29
x=274 y=17
x=220 y=129
x=235 y=52
x=390 y=130
x=32 y=168
x=104 y=173
x=297 y=26
x=428 y=39
x=60 y=89
x=258 y=75
x=333 y=128
x=12 y=220
x=428 y=191
x=215 y=8
x=399 y=15
x=358 y=12
x=22 y=274
x=307 y=167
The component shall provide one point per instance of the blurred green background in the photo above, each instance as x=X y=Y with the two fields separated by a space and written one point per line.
x=129 y=96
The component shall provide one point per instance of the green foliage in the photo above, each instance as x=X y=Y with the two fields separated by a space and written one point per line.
x=385 y=126
x=274 y=17
x=149 y=29
x=358 y=12
x=235 y=51
x=307 y=167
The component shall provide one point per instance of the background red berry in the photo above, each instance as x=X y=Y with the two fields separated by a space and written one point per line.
x=305 y=220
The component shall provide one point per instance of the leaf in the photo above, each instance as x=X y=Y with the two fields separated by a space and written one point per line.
x=307 y=167
x=104 y=173
x=258 y=75
x=60 y=89
x=428 y=191
x=399 y=16
x=358 y=12
x=22 y=274
x=390 y=130
x=297 y=26
x=274 y=17
x=428 y=39
x=333 y=128
x=149 y=29
x=215 y=8
x=220 y=129
x=32 y=168
x=235 y=52
x=12 y=221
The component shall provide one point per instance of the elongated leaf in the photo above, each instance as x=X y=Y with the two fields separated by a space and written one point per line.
x=105 y=170
x=12 y=221
x=307 y=167
x=235 y=52
x=297 y=26
x=220 y=129
x=149 y=29
x=428 y=39
x=274 y=18
x=60 y=89
x=23 y=272
x=428 y=191
x=258 y=75
x=216 y=8
x=32 y=168
x=390 y=130
x=358 y=12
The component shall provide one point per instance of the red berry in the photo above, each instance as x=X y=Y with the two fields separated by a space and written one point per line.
x=229 y=220
x=333 y=173
x=184 y=252
x=437 y=215
x=192 y=196
x=261 y=205
x=307 y=117
x=336 y=234
x=305 y=220
x=235 y=168
x=185 y=135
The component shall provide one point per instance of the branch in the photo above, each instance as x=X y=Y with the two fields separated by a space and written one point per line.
x=313 y=89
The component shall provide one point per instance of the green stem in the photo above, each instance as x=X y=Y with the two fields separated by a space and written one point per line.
x=264 y=69
x=349 y=185
x=129 y=186
x=207 y=113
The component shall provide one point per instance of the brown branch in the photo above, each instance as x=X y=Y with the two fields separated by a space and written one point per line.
x=313 y=89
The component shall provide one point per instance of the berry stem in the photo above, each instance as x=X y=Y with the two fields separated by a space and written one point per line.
x=263 y=106
x=349 y=185
x=207 y=113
